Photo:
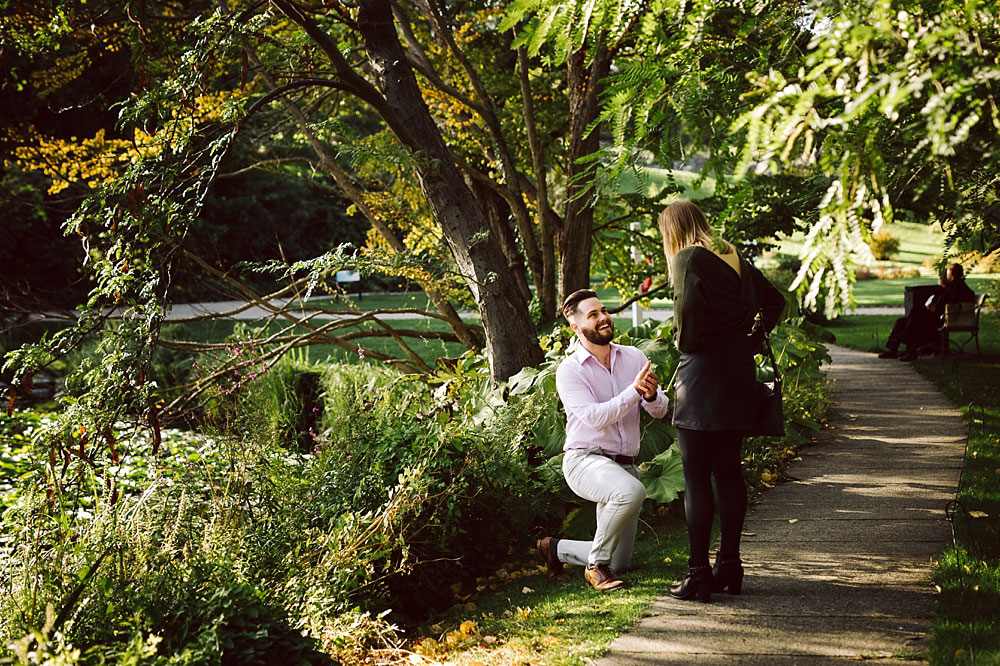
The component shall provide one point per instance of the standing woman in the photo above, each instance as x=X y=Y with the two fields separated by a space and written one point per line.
x=716 y=297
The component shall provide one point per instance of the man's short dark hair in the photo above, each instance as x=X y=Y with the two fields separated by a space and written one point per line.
x=569 y=305
x=957 y=272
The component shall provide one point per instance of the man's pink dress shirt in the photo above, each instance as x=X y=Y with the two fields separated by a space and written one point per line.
x=602 y=406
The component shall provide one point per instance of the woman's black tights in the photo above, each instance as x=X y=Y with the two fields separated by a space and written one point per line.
x=705 y=453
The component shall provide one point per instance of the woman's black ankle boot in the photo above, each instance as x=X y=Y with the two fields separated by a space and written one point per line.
x=727 y=573
x=697 y=584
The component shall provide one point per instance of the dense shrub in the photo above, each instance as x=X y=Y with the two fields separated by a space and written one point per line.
x=409 y=489
x=884 y=245
x=783 y=272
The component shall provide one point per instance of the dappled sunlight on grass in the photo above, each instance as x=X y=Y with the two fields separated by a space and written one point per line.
x=537 y=620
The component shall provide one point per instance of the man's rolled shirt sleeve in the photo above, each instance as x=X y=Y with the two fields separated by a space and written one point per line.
x=657 y=408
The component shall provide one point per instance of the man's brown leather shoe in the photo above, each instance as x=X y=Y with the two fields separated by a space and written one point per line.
x=602 y=578
x=546 y=547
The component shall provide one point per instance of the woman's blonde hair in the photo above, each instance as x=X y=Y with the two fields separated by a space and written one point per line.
x=682 y=224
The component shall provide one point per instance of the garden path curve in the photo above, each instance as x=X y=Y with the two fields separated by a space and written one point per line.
x=838 y=561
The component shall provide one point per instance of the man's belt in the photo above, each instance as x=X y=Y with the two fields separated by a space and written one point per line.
x=621 y=460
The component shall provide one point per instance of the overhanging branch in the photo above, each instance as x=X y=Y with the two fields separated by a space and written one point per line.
x=638 y=297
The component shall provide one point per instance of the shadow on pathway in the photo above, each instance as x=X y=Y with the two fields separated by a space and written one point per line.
x=839 y=561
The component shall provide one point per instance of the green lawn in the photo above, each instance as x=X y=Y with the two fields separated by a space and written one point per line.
x=428 y=350
x=969 y=576
x=651 y=181
x=417 y=299
x=523 y=619
x=869 y=293
x=917 y=243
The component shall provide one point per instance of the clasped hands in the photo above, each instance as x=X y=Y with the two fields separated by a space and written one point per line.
x=646 y=383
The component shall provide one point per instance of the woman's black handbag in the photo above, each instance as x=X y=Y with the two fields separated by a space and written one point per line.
x=770 y=416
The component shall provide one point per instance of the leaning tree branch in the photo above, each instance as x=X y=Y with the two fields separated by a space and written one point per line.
x=638 y=297
x=267 y=163
x=192 y=346
x=469 y=338
x=344 y=318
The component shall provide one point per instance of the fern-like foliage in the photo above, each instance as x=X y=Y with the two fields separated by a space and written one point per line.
x=895 y=104
x=569 y=26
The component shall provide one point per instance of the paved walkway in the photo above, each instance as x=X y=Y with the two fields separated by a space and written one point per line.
x=839 y=561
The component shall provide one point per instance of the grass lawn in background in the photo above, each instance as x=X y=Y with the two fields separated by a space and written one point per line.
x=651 y=181
x=871 y=293
x=917 y=243
x=417 y=299
x=428 y=350
x=969 y=577
x=867 y=293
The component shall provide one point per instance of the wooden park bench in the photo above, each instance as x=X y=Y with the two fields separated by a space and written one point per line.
x=961 y=318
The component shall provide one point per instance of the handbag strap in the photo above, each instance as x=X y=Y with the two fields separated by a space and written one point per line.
x=758 y=322
x=770 y=354
x=673 y=378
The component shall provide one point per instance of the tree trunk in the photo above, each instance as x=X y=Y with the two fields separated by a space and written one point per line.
x=575 y=238
x=466 y=335
x=510 y=338
x=497 y=212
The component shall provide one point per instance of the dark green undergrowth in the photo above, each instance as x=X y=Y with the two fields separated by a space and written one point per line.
x=967 y=619
x=325 y=511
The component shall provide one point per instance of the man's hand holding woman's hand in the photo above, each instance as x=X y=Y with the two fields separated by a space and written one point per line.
x=646 y=383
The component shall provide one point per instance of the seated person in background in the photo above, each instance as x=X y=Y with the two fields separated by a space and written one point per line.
x=920 y=326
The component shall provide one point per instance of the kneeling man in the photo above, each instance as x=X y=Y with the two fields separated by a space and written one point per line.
x=601 y=387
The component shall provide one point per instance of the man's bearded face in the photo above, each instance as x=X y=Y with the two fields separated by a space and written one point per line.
x=594 y=323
